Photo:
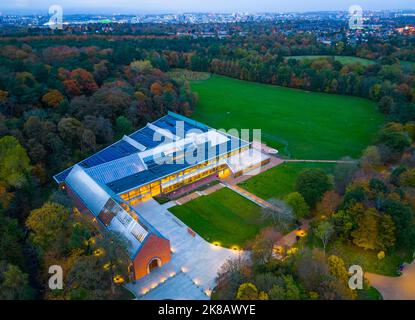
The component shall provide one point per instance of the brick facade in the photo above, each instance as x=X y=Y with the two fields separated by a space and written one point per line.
x=153 y=247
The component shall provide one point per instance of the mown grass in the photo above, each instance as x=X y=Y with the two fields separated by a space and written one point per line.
x=341 y=59
x=223 y=216
x=280 y=181
x=299 y=124
x=368 y=260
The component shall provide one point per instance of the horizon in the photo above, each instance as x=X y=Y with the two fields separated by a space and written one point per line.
x=126 y=7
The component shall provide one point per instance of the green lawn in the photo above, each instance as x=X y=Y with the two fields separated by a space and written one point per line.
x=300 y=124
x=368 y=259
x=222 y=216
x=341 y=59
x=280 y=181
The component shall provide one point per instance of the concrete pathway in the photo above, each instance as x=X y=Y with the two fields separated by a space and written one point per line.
x=290 y=239
x=198 y=194
x=321 y=161
x=274 y=161
x=250 y=196
x=192 y=271
x=395 y=288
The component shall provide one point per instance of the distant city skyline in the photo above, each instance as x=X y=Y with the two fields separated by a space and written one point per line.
x=217 y=6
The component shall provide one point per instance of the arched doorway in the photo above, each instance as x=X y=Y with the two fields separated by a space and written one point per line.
x=153 y=264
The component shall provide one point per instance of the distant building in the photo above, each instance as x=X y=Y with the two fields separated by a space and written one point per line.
x=165 y=156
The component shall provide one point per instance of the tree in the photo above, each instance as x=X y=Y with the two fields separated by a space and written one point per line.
x=343 y=174
x=141 y=66
x=14 y=163
x=402 y=216
x=14 y=284
x=386 y=104
x=49 y=225
x=53 y=98
x=328 y=205
x=314 y=273
x=230 y=276
x=84 y=80
x=366 y=234
x=70 y=129
x=285 y=289
x=312 y=184
x=407 y=178
x=386 y=236
x=282 y=216
x=247 y=291
x=324 y=230
x=263 y=245
x=371 y=157
x=396 y=140
x=298 y=204
x=338 y=269
x=123 y=126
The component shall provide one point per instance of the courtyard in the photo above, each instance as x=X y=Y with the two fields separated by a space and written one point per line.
x=193 y=268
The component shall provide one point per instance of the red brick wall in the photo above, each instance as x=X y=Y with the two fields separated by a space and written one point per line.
x=153 y=247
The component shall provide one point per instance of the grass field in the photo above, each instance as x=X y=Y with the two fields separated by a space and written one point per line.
x=353 y=255
x=341 y=59
x=280 y=181
x=222 y=216
x=300 y=124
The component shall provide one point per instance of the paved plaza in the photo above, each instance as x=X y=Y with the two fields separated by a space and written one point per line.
x=192 y=271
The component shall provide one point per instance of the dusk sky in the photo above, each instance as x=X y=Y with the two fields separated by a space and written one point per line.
x=145 y=6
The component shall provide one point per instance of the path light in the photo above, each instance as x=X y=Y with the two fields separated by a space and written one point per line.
x=278 y=249
x=173 y=250
x=208 y=292
x=292 y=251
x=107 y=266
x=301 y=233
x=118 y=279
x=235 y=248
x=216 y=243
x=98 y=252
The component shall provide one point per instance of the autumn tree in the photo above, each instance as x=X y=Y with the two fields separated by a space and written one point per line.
x=49 y=225
x=53 y=98
x=329 y=203
x=248 y=291
x=366 y=234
